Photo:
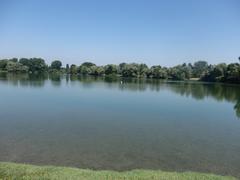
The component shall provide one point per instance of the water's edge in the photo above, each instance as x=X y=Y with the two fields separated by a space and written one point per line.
x=12 y=170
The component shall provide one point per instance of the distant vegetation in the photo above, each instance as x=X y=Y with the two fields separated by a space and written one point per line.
x=200 y=70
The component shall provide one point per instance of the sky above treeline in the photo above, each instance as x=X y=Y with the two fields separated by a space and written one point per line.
x=166 y=32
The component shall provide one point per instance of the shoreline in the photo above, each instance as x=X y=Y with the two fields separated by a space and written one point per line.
x=10 y=170
x=119 y=77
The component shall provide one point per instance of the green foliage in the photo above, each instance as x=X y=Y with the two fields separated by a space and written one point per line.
x=120 y=67
x=16 y=67
x=85 y=70
x=29 y=172
x=97 y=70
x=223 y=73
x=129 y=70
x=88 y=68
x=3 y=64
x=142 y=70
x=25 y=62
x=56 y=65
x=13 y=60
x=133 y=70
x=88 y=64
x=35 y=65
x=233 y=73
x=73 y=69
x=67 y=69
x=199 y=70
x=159 y=72
x=110 y=69
x=181 y=72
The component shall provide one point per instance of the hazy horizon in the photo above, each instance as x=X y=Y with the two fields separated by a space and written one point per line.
x=152 y=32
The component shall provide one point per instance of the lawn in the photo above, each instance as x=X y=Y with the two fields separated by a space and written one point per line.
x=9 y=171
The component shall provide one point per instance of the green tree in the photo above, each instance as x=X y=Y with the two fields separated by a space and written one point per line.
x=142 y=70
x=219 y=71
x=67 y=69
x=88 y=64
x=121 y=67
x=3 y=64
x=223 y=73
x=16 y=67
x=56 y=65
x=200 y=68
x=85 y=70
x=110 y=69
x=100 y=70
x=35 y=65
x=180 y=72
x=96 y=70
x=13 y=60
x=159 y=72
x=233 y=73
x=73 y=69
x=25 y=62
x=38 y=65
x=130 y=70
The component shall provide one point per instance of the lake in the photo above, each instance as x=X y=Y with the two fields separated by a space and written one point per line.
x=120 y=124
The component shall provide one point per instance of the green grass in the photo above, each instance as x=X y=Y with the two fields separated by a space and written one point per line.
x=9 y=171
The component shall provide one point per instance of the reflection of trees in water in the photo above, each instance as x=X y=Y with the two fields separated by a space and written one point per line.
x=237 y=108
x=219 y=92
x=55 y=78
x=24 y=79
x=199 y=91
x=34 y=80
x=196 y=90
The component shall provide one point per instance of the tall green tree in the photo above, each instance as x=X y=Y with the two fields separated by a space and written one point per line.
x=200 y=68
x=88 y=64
x=121 y=67
x=73 y=69
x=110 y=69
x=3 y=64
x=130 y=70
x=13 y=60
x=35 y=65
x=142 y=70
x=67 y=69
x=56 y=65
x=180 y=72
x=25 y=62
x=233 y=73
x=86 y=68
x=158 y=72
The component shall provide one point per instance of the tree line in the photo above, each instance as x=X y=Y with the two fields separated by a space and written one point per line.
x=199 y=70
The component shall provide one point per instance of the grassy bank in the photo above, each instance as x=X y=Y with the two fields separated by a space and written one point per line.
x=9 y=171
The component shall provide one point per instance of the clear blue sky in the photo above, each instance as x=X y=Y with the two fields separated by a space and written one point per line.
x=166 y=32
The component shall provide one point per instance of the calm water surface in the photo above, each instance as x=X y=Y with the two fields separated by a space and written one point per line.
x=101 y=123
